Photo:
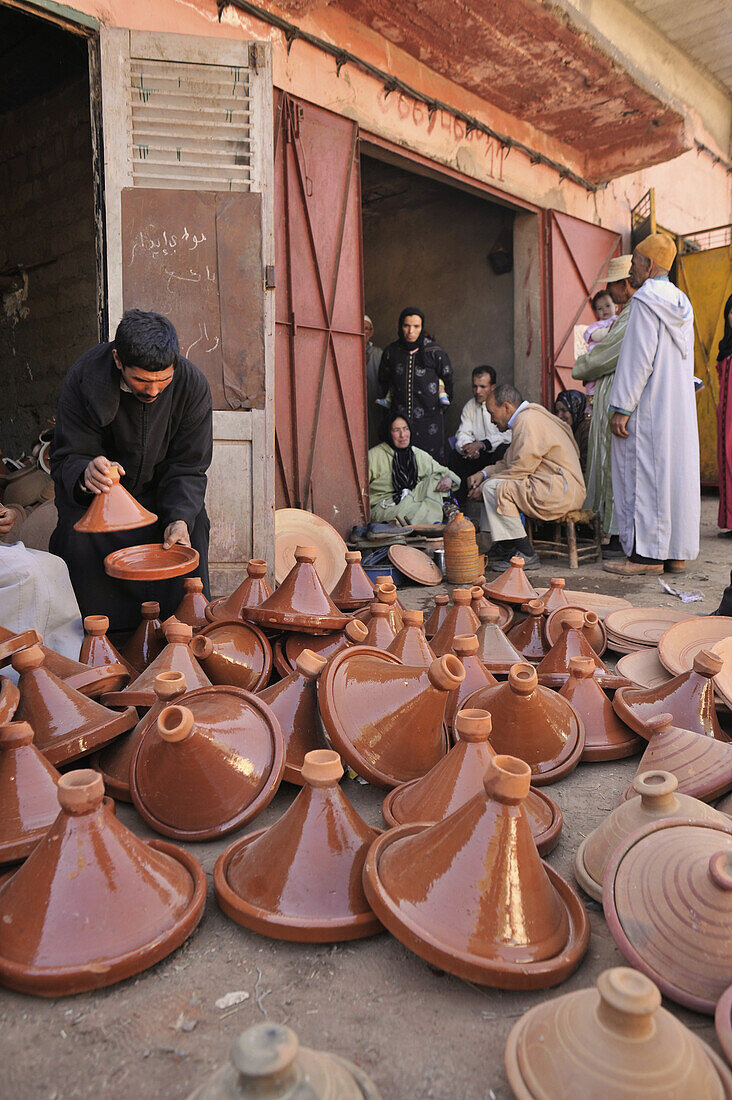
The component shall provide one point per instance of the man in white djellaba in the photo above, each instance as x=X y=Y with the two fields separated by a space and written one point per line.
x=655 y=445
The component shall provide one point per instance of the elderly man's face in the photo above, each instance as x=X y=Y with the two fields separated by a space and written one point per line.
x=640 y=269
x=411 y=327
x=621 y=291
x=368 y=331
x=500 y=414
x=482 y=386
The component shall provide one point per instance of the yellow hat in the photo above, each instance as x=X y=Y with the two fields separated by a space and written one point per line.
x=658 y=247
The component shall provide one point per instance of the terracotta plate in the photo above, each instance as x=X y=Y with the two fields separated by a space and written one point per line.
x=723 y=1023
x=414 y=564
x=637 y=626
x=680 y=644
x=296 y=527
x=643 y=668
x=592 y=601
x=13 y=643
x=723 y=679
x=151 y=562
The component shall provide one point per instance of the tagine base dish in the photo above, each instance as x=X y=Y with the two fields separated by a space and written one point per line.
x=150 y=562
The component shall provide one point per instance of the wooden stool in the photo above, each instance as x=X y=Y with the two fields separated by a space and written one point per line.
x=565 y=543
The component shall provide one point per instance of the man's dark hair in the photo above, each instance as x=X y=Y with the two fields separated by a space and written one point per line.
x=600 y=294
x=485 y=370
x=507 y=393
x=146 y=340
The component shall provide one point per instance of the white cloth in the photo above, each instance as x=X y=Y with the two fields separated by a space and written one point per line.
x=501 y=527
x=656 y=469
x=476 y=425
x=514 y=414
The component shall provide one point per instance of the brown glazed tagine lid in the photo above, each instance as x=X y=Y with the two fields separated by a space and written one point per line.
x=667 y=897
x=655 y=797
x=67 y=725
x=28 y=798
x=116 y=510
x=300 y=603
x=539 y=726
x=553 y=670
x=288 y=648
x=386 y=719
x=458 y=777
x=300 y=879
x=92 y=904
x=176 y=657
x=388 y=583
x=465 y=648
x=702 y=765
x=234 y=653
x=252 y=591
x=459 y=620
x=439 y=614
x=688 y=698
x=197 y=781
x=495 y=651
x=410 y=644
x=592 y=627
x=527 y=637
x=723 y=1023
x=385 y=593
x=192 y=608
x=267 y=1060
x=10 y=643
x=477 y=597
x=471 y=895
x=614 y=1042
x=9 y=699
x=380 y=631
x=554 y=596
x=513 y=585
x=96 y=649
x=294 y=702
x=92 y=682
x=606 y=737
x=148 y=640
x=354 y=589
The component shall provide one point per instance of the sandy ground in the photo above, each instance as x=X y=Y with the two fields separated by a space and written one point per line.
x=419 y=1033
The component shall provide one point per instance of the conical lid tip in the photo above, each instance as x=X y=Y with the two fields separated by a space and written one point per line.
x=628 y=999
x=175 y=724
x=309 y=664
x=170 y=684
x=96 y=625
x=446 y=673
x=264 y=1051
x=523 y=678
x=80 y=791
x=322 y=768
x=507 y=779
x=473 y=724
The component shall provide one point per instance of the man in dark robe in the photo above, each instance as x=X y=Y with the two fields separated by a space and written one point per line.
x=137 y=403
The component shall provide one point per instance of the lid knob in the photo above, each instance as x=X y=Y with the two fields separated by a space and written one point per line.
x=628 y=1000
x=309 y=664
x=522 y=678
x=306 y=553
x=412 y=618
x=150 y=609
x=168 y=685
x=81 y=791
x=256 y=567
x=656 y=789
x=465 y=645
x=175 y=724
x=461 y=596
x=15 y=734
x=581 y=667
x=193 y=584
x=176 y=631
x=573 y=619
x=264 y=1050
x=446 y=673
x=473 y=724
x=707 y=663
x=27 y=659
x=322 y=768
x=353 y=556
x=96 y=625
x=356 y=631
x=507 y=779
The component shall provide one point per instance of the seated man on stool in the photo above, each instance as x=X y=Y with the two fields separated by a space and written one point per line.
x=540 y=475
x=478 y=442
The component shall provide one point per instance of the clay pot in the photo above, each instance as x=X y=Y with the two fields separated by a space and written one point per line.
x=702 y=765
x=458 y=777
x=688 y=698
x=459 y=620
x=606 y=737
x=410 y=644
x=9 y=699
x=465 y=648
x=655 y=798
x=463 y=562
x=67 y=725
x=535 y=723
x=385 y=594
x=495 y=651
x=300 y=879
x=148 y=640
x=471 y=895
x=192 y=608
x=385 y=718
x=176 y=657
x=93 y=904
x=235 y=653
x=28 y=799
x=252 y=592
x=527 y=637
x=554 y=596
x=294 y=703
x=197 y=780
x=553 y=670
x=300 y=603
x=288 y=648
x=513 y=586
x=116 y=510
x=440 y=612
x=267 y=1060
x=354 y=588
x=96 y=649
x=614 y=1041
x=592 y=628
x=667 y=897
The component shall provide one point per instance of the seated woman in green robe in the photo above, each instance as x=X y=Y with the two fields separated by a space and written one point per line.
x=406 y=485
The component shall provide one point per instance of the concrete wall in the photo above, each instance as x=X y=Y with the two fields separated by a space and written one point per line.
x=47 y=214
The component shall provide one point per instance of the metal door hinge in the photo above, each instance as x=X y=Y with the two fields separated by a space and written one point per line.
x=269 y=277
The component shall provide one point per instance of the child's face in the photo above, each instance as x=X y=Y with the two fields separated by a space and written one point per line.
x=604 y=308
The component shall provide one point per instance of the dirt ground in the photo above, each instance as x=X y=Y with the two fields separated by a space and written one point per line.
x=420 y=1034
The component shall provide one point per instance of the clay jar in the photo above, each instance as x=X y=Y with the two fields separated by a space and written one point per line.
x=288 y=648
x=471 y=895
x=554 y=596
x=252 y=592
x=410 y=644
x=354 y=588
x=606 y=737
x=495 y=651
x=235 y=653
x=688 y=698
x=438 y=616
x=702 y=765
x=513 y=586
x=176 y=657
x=380 y=631
x=459 y=620
x=300 y=603
x=28 y=799
x=465 y=648
x=301 y=878
x=535 y=723
x=458 y=777
x=527 y=637
x=613 y=1041
x=192 y=608
x=148 y=640
x=294 y=702
x=553 y=670
x=96 y=649
x=116 y=510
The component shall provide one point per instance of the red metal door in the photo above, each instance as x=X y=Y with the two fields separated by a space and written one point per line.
x=320 y=390
x=578 y=253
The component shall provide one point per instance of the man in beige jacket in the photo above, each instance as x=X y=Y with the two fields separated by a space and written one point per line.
x=540 y=475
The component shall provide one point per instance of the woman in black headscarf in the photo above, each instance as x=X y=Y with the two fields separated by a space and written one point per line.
x=406 y=485
x=571 y=407
x=411 y=370
x=724 y=424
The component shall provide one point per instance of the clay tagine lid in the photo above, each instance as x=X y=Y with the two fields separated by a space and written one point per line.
x=176 y=657
x=471 y=895
x=541 y=728
x=513 y=585
x=384 y=592
x=148 y=640
x=386 y=719
x=460 y=619
x=702 y=765
x=554 y=596
x=606 y=737
x=66 y=723
x=688 y=698
x=495 y=651
x=10 y=643
x=612 y=1041
x=527 y=637
x=93 y=904
x=410 y=644
x=354 y=588
x=667 y=897
x=465 y=648
x=28 y=799
x=234 y=653
x=97 y=650
x=592 y=627
x=192 y=608
x=82 y=678
x=300 y=603
x=506 y=612
x=195 y=780
x=9 y=699
x=458 y=777
x=553 y=670
x=380 y=631
x=438 y=615
x=288 y=648
x=252 y=591
x=300 y=879
x=116 y=510
x=414 y=564
x=294 y=702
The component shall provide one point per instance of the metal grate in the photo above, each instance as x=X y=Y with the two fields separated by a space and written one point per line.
x=719 y=237
x=191 y=126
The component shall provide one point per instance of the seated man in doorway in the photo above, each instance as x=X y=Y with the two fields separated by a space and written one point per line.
x=478 y=443
x=540 y=475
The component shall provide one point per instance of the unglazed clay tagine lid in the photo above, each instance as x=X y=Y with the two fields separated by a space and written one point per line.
x=148 y=640
x=93 y=904
x=643 y=669
x=680 y=644
x=527 y=637
x=354 y=587
x=211 y=762
x=513 y=586
x=495 y=650
x=192 y=608
x=10 y=644
x=592 y=627
x=386 y=719
x=301 y=602
x=410 y=644
x=116 y=510
x=252 y=591
x=667 y=896
x=655 y=797
x=301 y=878
x=723 y=1023
x=294 y=702
x=702 y=765
x=460 y=619
x=688 y=698
x=176 y=657
x=28 y=799
x=458 y=777
x=438 y=615
x=97 y=650
x=267 y=1060
x=234 y=653
x=67 y=724
x=295 y=527
x=613 y=1041
x=415 y=564
x=537 y=724
x=471 y=895
x=9 y=699
x=151 y=562
x=326 y=645
x=606 y=736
